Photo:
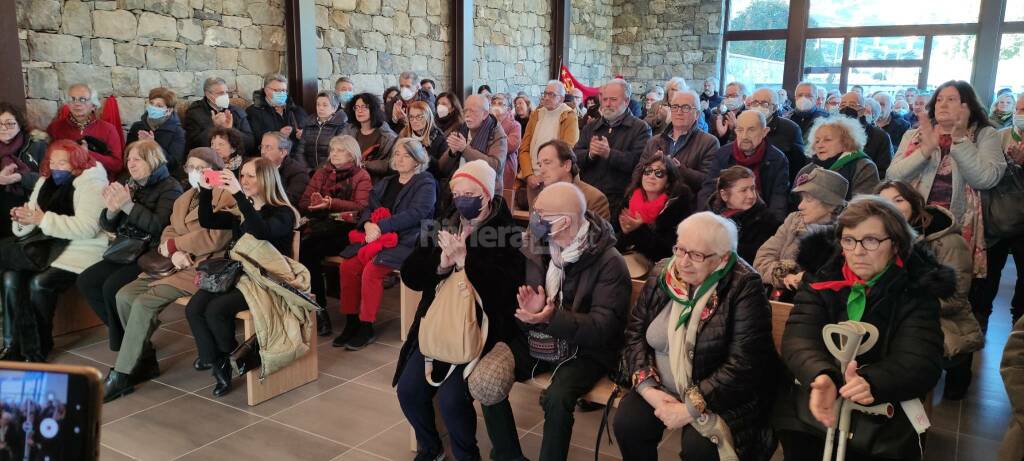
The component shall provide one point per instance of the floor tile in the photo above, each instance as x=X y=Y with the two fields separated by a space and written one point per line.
x=380 y=378
x=268 y=440
x=146 y=395
x=945 y=415
x=80 y=338
x=109 y=454
x=974 y=448
x=343 y=363
x=531 y=449
x=940 y=445
x=176 y=371
x=525 y=401
x=165 y=342
x=356 y=454
x=984 y=418
x=349 y=414
x=393 y=443
x=237 y=397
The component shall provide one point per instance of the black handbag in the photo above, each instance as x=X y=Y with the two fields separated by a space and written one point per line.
x=129 y=244
x=34 y=251
x=1002 y=212
x=156 y=265
x=218 y=275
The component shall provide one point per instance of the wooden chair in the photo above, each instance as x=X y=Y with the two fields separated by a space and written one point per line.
x=780 y=314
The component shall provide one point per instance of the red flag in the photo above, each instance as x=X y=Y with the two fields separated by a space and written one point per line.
x=570 y=82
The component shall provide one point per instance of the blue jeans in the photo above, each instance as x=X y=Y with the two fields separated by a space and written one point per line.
x=416 y=398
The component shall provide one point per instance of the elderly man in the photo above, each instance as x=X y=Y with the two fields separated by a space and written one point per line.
x=783 y=134
x=784 y=104
x=276 y=147
x=215 y=111
x=409 y=91
x=479 y=138
x=752 y=150
x=918 y=108
x=893 y=125
x=558 y=164
x=653 y=96
x=273 y=110
x=807 y=107
x=576 y=295
x=552 y=120
x=692 y=149
x=610 y=146
x=104 y=139
x=878 y=147
x=345 y=90
x=734 y=101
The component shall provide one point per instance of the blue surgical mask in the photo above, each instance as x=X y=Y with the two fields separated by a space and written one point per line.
x=901 y=112
x=279 y=98
x=345 y=97
x=540 y=228
x=469 y=206
x=156 y=113
x=60 y=177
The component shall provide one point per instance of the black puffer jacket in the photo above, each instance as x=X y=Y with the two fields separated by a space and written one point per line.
x=153 y=205
x=494 y=265
x=733 y=355
x=755 y=225
x=315 y=144
x=904 y=364
x=264 y=118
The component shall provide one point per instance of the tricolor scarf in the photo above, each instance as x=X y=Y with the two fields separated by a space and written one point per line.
x=672 y=288
x=647 y=211
x=856 y=302
x=842 y=160
x=753 y=162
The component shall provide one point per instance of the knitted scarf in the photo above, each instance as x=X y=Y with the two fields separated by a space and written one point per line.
x=753 y=162
x=647 y=211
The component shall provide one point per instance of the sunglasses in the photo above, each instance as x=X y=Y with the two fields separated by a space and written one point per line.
x=657 y=173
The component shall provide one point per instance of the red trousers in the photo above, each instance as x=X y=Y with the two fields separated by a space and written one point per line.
x=362 y=287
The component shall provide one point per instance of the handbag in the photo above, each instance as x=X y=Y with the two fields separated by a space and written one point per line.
x=1002 y=213
x=450 y=331
x=129 y=244
x=156 y=265
x=218 y=275
x=493 y=377
x=34 y=251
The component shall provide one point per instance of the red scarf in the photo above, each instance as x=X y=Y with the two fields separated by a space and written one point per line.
x=849 y=279
x=753 y=162
x=647 y=211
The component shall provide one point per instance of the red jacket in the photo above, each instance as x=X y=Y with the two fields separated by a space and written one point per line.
x=99 y=129
x=352 y=194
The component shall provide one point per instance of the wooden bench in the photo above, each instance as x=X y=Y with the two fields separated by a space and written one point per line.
x=74 y=313
x=780 y=315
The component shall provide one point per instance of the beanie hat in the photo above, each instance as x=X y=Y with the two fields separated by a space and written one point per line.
x=826 y=186
x=479 y=172
x=207 y=155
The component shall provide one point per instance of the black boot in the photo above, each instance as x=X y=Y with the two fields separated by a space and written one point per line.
x=364 y=337
x=222 y=375
x=958 y=380
x=247 y=356
x=323 y=323
x=117 y=385
x=12 y=353
x=147 y=369
x=200 y=365
x=349 y=332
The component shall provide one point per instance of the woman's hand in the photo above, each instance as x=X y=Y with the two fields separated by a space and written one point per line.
x=181 y=260
x=453 y=248
x=629 y=223
x=856 y=389
x=928 y=139
x=792 y=281
x=544 y=316
x=162 y=249
x=9 y=175
x=823 y=400
x=963 y=120
x=656 y=398
x=229 y=182
x=673 y=414
x=372 y=231
x=26 y=215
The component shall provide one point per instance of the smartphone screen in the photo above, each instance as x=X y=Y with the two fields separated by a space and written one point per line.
x=48 y=415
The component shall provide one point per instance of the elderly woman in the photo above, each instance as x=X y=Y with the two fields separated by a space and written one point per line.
x=138 y=209
x=422 y=126
x=21 y=152
x=1001 y=115
x=185 y=243
x=736 y=198
x=658 y=200
x=342 y=186
x=836 y=144
x=160 y=123
x=389 y=227
x=317 y=133
x=228 y=143
x=698 y=342
x=951 y=157
x=822 y=197
x=368 y=125
x=65 y=204
x=866 y=269
x=474 y=237
x=938 y=230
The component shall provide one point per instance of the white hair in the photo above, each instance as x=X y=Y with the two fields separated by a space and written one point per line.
x=626 y=88
x=696 y=97
x=560 y=87
x=876 y=109
x=848 y=125
x=413 y=147
x=719 y=233
x=774 y=94
x=740 y=86
x=274 y=77
x=94 y=98
x=484 y=101
x=676 y=83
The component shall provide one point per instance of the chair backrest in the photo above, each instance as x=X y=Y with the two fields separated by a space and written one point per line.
x=780 y=314
x=296 y=239
x=638 y=285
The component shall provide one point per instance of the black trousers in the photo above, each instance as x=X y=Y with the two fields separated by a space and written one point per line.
x=638 y=433
x=211 y=316
x=30 y=300
x=317 y=245
x=100 y=284
x=984 y=291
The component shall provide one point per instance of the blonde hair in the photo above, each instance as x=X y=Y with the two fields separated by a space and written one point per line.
x=149 y=151
x=271 y=185
x=350 y=145
x=850 y=132
x=428 y=117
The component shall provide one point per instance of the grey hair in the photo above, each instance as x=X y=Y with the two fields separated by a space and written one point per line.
x=282 y=141
x=876 y=109
x=626 y=87
x=408 y=74
x=210 y=82
x=741 y=87
x=505 y=96
x=274 y=77
x=486 y=101
x=689 y=91
x=840 y=122
x=559 y=85
x=722 y=240
x=760 y=117
x=413 y=147
x=677 y=83
x=94 y=98
x=774 y=94
x=350 y=145
x=814 y=88
x=860 y=97
x=882 y=94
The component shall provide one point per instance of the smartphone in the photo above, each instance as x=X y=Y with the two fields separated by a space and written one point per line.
x=50 y=412
x=212 y=178
x=348 y=216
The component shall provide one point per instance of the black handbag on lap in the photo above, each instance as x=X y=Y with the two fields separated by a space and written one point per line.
x=32 y=252
x=129 y=244
x=218 y=275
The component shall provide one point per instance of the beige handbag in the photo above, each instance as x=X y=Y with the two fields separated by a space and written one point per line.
x=450 y=331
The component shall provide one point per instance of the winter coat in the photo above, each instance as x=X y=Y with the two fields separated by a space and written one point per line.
x=655 y=241
x=350 y=194
x=438 y=146
x=264 y=118
x=568 y=131
x=597 y=203
x=169 y=135
x=151 y=209
x=378 y=160
x=756 y=225
x=113 y=162
x=1011 y=367
x=695 y=155
x=15 y=195
x=414 y=204
x=879 y=147
x=199 y=123
x=595 y=294
x=494 y=266
x=774 y=186
x=805 y=120
x=276 y=289
x=960 y=329
x=611 y=175
x=496 y=155
x=904 y=364
x=861 y=175
x=732 y=358
x=316 y=138
x=514 y=136
x=896 y=128
x=294 y=177
x=189 y=236
x=87 y=241
x=788 y=139
x=979 y=164
x=776 y=258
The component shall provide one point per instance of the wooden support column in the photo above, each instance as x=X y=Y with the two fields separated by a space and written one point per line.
x=12 y=83
x=561 y=40
x=793 y=71
x=462 y=52
x=300 y=31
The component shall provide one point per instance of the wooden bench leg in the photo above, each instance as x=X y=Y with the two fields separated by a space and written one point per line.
x=300 y=372
x=410 y=300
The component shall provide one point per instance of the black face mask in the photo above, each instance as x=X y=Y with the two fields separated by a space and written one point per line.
x=469 y=207
x=850 y=112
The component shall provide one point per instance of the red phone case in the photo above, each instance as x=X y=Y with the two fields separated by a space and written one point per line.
x=212 y=178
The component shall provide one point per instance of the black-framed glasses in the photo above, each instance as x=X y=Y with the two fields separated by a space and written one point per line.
x=80 y=99
x=658 y=173
x=869 y=243
x=9 y=125
x=684 y=108
x=694 y=256
x=361 y=107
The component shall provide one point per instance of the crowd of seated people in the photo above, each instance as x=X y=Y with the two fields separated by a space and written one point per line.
x=851 y=207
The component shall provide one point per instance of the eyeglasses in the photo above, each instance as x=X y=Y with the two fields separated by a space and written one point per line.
x=657 y=173
x=869 y=243
x=694 y=256
x=361 y=107
x=548 y=94
x=79 y=100
x=417 y=118
x=11 y=125
x=193 y=168
x=765 y=104
x=686 y=109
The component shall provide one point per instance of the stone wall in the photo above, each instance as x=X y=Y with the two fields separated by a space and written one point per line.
x=128 y=47
x=590 y=43
x=654 y=40
x=372 y=41
x=513 y=45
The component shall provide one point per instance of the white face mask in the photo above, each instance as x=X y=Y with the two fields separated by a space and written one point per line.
x=1018 y=122
x=804 y=104
x=732 y=103
x=442 y=111
x=193 y=178
x=407 y=93
x=765 y=111
x=222 y=101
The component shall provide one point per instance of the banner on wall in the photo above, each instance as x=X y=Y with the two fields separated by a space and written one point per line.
x=570 y=82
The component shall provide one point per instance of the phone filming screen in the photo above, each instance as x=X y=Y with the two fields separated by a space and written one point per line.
x=33 y=422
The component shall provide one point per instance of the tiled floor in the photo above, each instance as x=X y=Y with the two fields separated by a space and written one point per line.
x=351 y=412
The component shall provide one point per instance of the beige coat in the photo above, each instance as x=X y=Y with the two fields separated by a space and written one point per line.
x=276 y=288
x=1012 y=369
x=568 y=131
x=777 y=256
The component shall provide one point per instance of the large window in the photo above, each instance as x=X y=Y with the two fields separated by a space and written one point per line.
x=756 y=62
x=759 y=14
x=846 y=13
x=1011 y=63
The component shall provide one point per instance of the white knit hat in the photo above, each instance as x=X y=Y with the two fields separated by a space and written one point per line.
x=479 y=172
